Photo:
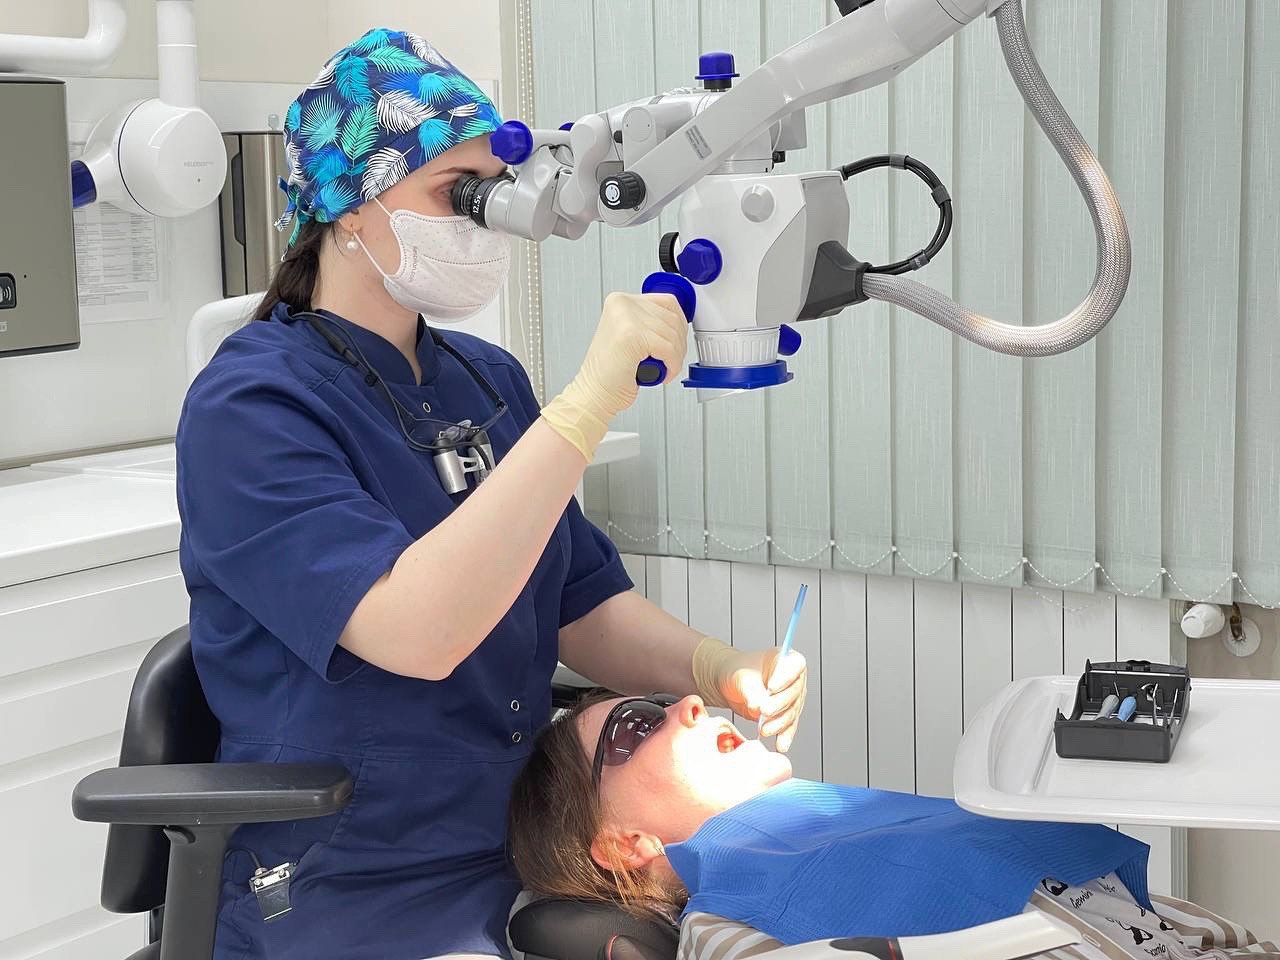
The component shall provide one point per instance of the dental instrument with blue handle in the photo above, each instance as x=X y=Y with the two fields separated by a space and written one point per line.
x=791 y=627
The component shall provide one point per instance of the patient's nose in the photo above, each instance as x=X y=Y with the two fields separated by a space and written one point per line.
x=690 y=710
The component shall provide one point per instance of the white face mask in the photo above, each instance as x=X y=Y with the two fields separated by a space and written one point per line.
x=451 y=268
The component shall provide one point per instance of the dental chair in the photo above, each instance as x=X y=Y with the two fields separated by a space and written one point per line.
x=172 y=811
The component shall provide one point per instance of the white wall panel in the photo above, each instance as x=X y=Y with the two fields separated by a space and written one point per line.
x=1038 y=613
x=987 y=624
x=635 y=567
x=1088 y=629
x=710 y=603
x=667 y=585
x=939 y=694
x=891 y=722
x=844 y=677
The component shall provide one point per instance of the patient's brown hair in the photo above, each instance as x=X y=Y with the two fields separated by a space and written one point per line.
x=555 y=816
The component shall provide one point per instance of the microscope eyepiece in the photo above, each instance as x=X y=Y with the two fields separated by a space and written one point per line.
x=470 y=195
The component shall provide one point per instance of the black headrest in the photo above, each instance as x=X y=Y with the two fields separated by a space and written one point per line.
x=582 y=930
x=169 y=721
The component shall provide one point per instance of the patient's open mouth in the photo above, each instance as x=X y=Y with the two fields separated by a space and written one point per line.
x=729 y=739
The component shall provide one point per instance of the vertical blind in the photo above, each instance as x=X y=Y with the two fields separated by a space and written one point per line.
x=1146 y=462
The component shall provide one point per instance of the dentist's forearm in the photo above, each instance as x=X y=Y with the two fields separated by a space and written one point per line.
x=450 y=588
x=632 y=646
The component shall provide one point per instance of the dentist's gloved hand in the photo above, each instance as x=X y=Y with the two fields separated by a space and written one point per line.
x=754 y=683
x=632 y=326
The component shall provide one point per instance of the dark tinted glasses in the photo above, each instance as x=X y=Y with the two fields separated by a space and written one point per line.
x=627 y=726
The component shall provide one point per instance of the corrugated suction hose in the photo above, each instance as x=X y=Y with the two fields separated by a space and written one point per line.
x=1112 y=276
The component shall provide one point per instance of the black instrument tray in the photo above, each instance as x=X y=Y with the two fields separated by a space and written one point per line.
x=1163 y=692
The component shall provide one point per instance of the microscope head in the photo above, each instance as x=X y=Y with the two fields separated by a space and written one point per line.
x=747 y=244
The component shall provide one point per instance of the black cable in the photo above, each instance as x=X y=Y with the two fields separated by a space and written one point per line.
x=253 y=856
x=342 y=345
x=337 y=339
x=940 y=195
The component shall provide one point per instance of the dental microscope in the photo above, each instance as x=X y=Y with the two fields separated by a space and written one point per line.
x=757 y=250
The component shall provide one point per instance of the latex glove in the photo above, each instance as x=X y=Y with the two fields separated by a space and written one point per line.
x=755 y=684
x=632 y=326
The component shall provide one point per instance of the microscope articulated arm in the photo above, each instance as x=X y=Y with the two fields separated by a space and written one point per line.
x=860 y=50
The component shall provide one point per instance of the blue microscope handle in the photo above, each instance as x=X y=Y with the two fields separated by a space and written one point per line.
x=651 y=372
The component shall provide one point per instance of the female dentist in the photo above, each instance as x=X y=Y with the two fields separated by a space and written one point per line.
x=356 y=597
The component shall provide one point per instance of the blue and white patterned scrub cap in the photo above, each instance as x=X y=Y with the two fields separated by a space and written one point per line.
x=381 y=108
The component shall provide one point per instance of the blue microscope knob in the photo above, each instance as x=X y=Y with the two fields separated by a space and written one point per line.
x=700 y=260
x=512 y=142
x=677 y=286
x=651 y=371
x=788 y=340
x=715 y=70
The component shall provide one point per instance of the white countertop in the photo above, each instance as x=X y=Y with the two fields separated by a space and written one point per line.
x=55 y=523
x=85 y=512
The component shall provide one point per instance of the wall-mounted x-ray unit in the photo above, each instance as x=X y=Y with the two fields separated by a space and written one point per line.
x=39 y=309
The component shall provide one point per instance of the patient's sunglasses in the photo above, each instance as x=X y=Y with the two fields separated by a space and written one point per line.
x=627 y=726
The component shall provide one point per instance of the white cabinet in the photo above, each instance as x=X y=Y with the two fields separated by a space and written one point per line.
x=89 y=580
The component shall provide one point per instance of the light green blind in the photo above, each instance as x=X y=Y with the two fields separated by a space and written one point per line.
x=1147 y=462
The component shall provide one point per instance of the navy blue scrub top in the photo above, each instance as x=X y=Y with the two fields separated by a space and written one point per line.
x=297 y=491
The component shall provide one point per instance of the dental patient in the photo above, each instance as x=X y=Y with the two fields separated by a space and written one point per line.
x=658 y=805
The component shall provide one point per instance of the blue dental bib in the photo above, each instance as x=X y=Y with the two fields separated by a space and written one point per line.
x=810 y=861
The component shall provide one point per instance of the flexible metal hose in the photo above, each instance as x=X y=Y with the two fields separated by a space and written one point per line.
x=1112 y=276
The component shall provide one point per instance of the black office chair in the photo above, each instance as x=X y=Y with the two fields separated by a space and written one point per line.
x=172 y=811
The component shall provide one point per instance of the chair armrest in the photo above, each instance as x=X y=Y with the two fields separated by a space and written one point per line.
x=1026 y=935
x=211 y=793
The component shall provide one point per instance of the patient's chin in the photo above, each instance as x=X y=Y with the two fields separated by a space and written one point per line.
x=781 y=769
x=768 y=767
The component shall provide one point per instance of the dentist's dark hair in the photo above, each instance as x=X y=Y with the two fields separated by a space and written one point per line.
x=294 y=279
x=556 y=815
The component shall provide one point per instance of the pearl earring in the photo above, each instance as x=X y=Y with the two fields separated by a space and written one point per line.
x=352 y=244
